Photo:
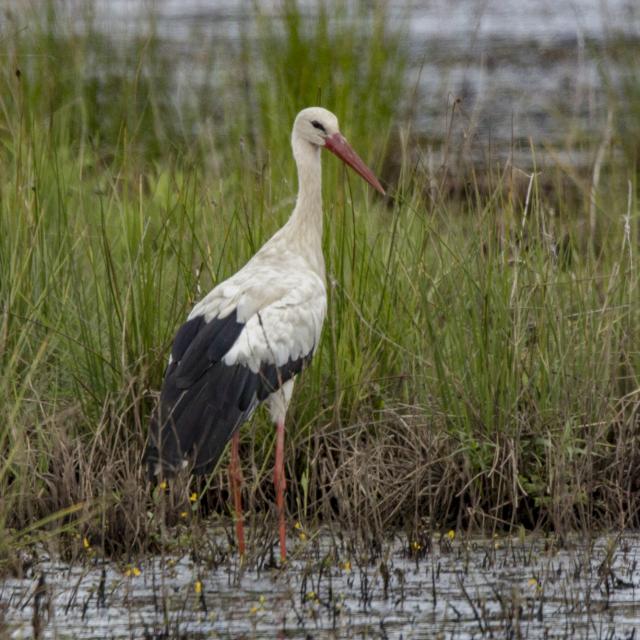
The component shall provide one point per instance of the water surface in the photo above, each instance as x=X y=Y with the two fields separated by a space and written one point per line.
x=520 y=72
x=500 y=587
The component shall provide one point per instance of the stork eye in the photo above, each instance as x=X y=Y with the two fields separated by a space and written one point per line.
x=317 y=125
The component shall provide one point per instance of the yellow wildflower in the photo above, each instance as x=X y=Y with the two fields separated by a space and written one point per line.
x=257 y=607
x=193 y=497
x=163 y=485
x=184 y=514
x=451 y=534
x=532 y=582
x=416 y=546
x=85 y=543
x=197 y=586
x=346 y=565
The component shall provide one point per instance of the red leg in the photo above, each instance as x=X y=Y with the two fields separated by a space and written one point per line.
x=280 y=484
x=235 y=478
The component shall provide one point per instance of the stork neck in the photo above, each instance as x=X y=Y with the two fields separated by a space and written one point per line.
x=306 y=219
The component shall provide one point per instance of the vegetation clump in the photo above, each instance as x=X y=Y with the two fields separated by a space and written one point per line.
x=479 y=367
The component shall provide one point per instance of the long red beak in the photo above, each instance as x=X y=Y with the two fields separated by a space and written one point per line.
x=340 y=147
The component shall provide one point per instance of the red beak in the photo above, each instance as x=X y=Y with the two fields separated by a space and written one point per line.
x=340 y=147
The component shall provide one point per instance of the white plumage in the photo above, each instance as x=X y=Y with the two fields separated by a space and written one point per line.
x=246 y=340
x=281 y=306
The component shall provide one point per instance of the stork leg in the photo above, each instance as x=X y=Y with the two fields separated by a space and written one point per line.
x=280 y=484
x=235 y=479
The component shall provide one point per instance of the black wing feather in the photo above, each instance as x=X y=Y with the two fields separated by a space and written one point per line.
x=184 y=337
x=203 y=400
x=207 y=347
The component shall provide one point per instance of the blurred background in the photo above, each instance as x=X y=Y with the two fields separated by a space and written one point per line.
x=518 y=73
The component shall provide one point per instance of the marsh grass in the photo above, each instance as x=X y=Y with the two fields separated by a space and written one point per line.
x=479 y=365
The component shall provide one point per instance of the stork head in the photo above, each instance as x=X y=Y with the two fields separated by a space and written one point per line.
x=320 y=128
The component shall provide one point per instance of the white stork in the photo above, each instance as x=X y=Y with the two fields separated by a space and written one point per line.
x=246 y=340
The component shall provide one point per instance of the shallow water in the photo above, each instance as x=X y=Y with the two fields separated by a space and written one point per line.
x=501 y=587
x=520 y=71
x=520 y=74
